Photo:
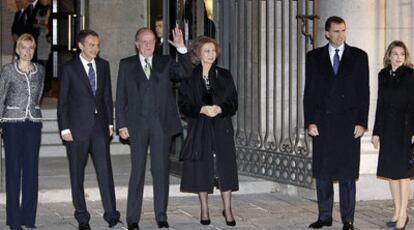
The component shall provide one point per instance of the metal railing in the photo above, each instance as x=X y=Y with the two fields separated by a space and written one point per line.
x=264 y=44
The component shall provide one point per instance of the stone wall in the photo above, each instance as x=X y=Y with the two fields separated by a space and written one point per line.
x=6 y=21
x=116 y=22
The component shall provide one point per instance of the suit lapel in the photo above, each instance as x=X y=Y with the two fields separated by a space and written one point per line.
x=345 y=64
x=137 y=69
x=326 y=64
x=83 y=76
x=99 y=75
x=156 y=63
x=344 y=68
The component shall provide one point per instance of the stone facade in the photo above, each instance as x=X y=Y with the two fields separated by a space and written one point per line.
x=116 y=22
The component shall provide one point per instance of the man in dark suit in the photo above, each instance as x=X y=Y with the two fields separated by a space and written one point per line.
x=19 y=25
x=147 y=115
x=159 y=31
x=31 y=21
x=85 y=116
x=336 y=104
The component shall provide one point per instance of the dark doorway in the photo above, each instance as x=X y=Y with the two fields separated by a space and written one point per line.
x=66 y=23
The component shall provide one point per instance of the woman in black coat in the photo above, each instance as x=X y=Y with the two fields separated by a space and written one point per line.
x=208 y=100
x=394 y=127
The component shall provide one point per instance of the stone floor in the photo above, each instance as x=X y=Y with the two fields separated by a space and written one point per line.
x=255 y=211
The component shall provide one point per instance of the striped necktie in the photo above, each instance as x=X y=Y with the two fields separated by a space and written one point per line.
x=92 y=78
x=336 y=61
x=147 y=68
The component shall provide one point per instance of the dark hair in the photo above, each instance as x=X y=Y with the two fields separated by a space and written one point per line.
x=85 y=33
x=141 y=30
x=158 y=18
x=331 y=20
x=196 y=48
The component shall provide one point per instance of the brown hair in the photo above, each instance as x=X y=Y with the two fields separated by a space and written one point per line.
x=391 y=46
x=196 y=48
x=333 y=20
x=25 y=37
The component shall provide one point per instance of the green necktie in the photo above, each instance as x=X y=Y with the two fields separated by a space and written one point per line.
x=147 y=68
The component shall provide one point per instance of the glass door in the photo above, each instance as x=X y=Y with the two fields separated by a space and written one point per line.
x=67 y=21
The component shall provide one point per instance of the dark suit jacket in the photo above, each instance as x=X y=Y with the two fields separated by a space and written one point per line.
x=19 y=26
x=336 y=104
x=77 y=104
x=128 y=102
x=31 y=20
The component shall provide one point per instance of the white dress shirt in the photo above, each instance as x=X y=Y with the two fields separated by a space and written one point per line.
x=332 y=52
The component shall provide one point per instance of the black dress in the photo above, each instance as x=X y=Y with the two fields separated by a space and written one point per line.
x=394 y=122
x=218 y=162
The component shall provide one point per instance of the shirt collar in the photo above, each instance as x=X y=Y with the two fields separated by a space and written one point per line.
x=86 y=62
x=34 y=3
x=332 y=49
x=142 y=59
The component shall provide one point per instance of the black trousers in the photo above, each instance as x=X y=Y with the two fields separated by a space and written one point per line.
x=325 y=194
x=21 y=145
x=77 y=152
x=150 y=134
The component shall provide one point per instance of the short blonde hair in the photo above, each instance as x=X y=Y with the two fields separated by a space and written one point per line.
x=196 y=48
x=25 y=37
x=391 y=46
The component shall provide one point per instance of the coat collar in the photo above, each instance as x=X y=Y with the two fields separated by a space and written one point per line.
x=344 y=66
x=139 y=71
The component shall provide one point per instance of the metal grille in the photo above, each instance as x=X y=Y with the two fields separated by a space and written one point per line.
x=263 y=46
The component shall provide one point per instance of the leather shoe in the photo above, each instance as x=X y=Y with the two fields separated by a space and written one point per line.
x=133 y=226
x=348 y=226
x=163 y=224
x=320 y=223
x=403 y=228
x=205 y=222
x=113 y=223
x=391 y=224
x=84 y=227
x=229 y=223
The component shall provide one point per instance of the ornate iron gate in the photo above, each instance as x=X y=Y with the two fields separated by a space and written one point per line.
x=263 y=43
x=264 y=46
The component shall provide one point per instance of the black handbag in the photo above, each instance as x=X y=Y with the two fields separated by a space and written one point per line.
x=195 y=142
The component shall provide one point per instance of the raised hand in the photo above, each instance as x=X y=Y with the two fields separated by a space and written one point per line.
x=178 y=38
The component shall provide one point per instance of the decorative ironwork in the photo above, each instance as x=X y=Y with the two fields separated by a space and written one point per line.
x=265 y=51
x=267 y=61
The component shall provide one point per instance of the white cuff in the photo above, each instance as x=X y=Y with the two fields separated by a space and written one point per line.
x=182 y=50
x=65 y=131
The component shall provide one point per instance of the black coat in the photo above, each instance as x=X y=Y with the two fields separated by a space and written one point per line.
x=77 y=104
x=336 y=104
x=198 y=176
x=128 y=101
x=394 y=122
